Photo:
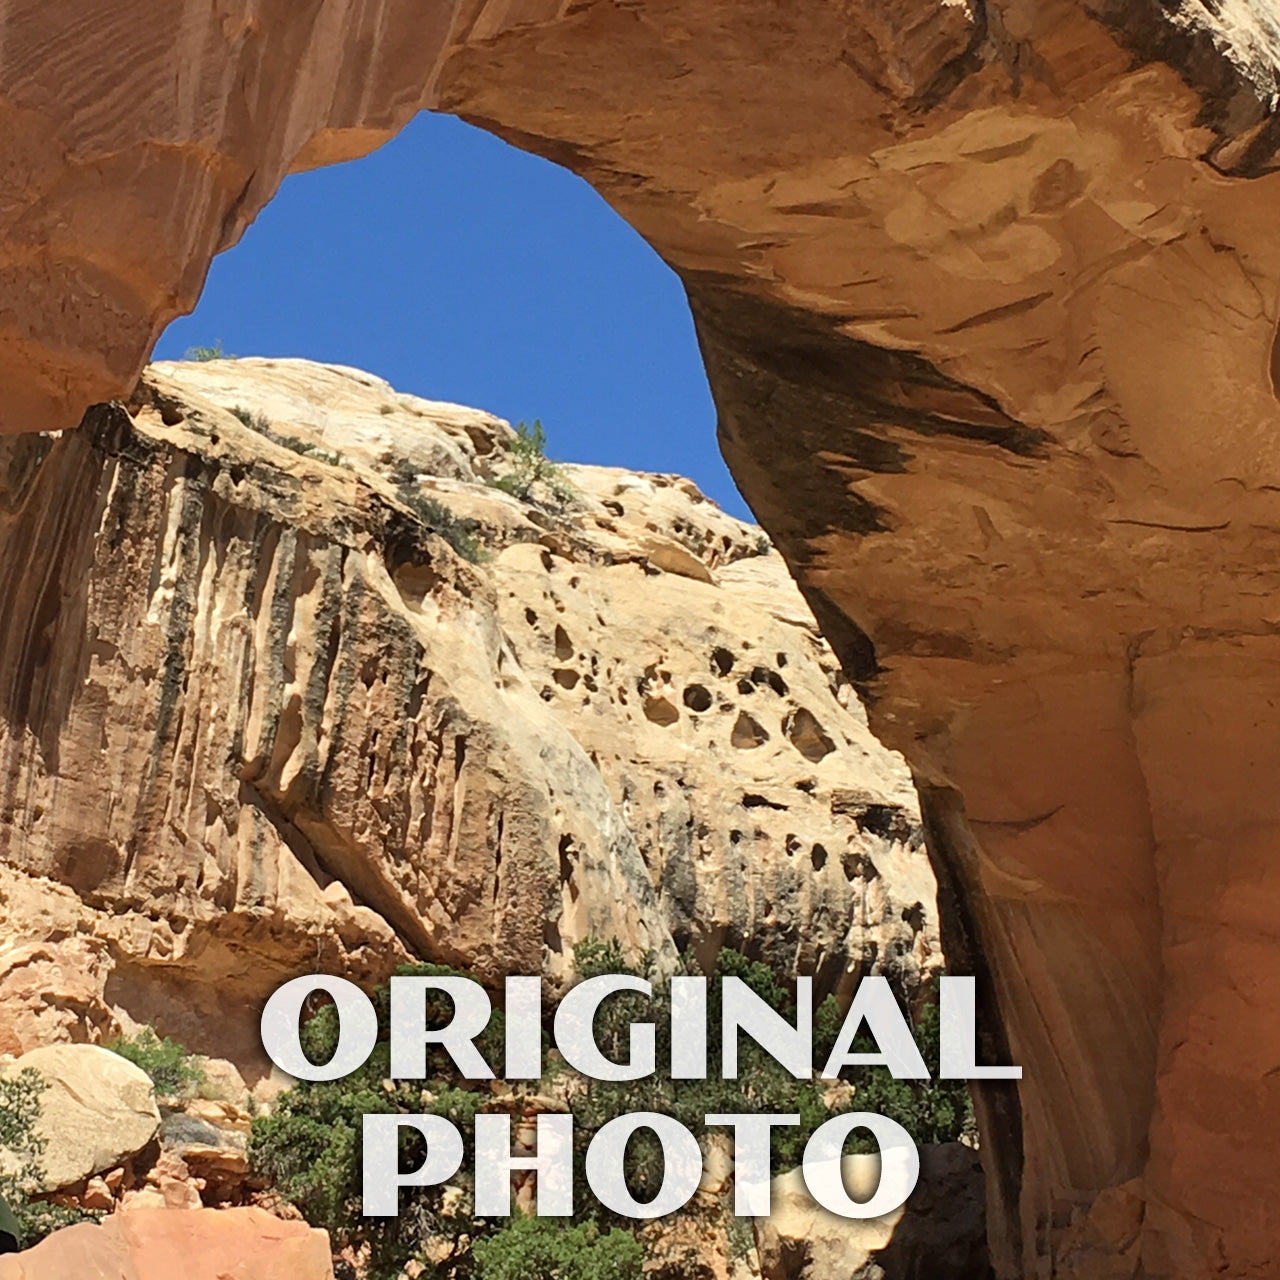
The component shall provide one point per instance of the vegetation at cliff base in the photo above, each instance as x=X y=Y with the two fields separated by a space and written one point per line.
x=547 y=1247
x=309 y=1148
x=164 y=1060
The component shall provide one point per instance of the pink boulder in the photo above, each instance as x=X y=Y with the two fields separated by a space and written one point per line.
x=161 y=1244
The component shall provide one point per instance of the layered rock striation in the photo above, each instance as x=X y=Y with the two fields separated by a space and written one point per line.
x=987 y=291
x=260 y=716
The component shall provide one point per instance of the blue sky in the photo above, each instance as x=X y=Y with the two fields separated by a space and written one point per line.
x=459 y=268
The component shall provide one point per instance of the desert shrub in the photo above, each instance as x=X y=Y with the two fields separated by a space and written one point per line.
x=551 y=1249
x=164 y=1060
x=259 y=422
x=530 y=467
x=930 y=1110
x=23 y=1215
x=213 y=352
x=307 y=449
x=461 y=534
x=38 y=1218
x=309 y=1148
x=254 y=421
x=19 y=1113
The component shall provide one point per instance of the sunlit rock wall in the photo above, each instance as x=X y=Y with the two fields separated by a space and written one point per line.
x=257 y=719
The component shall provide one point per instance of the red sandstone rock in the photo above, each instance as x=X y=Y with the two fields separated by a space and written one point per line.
x=161 y=1244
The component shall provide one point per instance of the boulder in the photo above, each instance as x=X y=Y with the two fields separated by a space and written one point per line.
x=160 y=1244
x=50 y=988
x=939 y=1234
x=98 y=1110
x=221 y=1081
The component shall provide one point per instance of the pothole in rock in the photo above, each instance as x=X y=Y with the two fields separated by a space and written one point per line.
x=763 y=675
x=748 y=732
x=807 y=736
x=753 y=801
x=721 y=661
x=660 y=711
x=697 y=698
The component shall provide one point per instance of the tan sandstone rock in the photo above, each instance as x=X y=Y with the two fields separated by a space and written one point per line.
x=97 y=1110
x=161 y=1244
x=51 y=990
x=309 y=734
x=220 y=1081
x=938 y=1235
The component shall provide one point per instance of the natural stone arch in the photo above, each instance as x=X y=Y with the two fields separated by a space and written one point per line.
x=987 y=294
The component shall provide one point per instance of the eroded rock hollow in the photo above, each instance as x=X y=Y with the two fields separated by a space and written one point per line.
x=988 y=295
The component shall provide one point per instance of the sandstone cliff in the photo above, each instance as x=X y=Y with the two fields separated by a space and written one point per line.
x=987 y=291
x=258 y=717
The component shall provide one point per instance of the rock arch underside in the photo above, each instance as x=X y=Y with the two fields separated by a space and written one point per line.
x=987 y=293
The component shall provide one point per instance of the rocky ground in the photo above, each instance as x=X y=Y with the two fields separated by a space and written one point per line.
x=170 y=1177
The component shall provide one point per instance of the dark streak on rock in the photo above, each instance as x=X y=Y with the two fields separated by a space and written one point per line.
x=996 y=1101
x=1230 y=102
x=828 y=406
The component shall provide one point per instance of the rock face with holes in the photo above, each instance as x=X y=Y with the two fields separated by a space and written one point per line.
x=769 y=818
x=987 y=292
x=261 y=716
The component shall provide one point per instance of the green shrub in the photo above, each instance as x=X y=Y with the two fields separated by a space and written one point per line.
x=531 y=467
x=254 y=421
x=259 y=422
x=164 y=1060
x=19 y=1113
x=214 y=352
x=459 y=533
x=309 y=1149
x=550 y=1249
x=39 y=1218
